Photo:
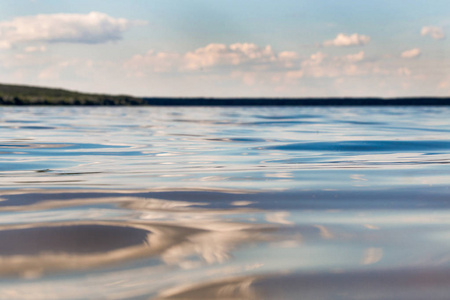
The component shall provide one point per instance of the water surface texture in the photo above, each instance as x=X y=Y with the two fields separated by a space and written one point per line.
x=224 y=203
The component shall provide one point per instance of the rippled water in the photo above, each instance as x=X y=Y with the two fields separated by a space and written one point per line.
x=224 y=203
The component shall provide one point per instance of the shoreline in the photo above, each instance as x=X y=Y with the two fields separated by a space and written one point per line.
x=160 y=101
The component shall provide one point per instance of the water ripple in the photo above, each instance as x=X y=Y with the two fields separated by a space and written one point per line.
x=367 y=146
x=224 y=203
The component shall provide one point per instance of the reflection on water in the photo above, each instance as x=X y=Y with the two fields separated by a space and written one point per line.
x=361 y=285
x=224 y=203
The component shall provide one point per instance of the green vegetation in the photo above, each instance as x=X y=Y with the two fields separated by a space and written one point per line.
x=28 y=95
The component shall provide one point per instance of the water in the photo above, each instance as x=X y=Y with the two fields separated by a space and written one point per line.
x=224 y=203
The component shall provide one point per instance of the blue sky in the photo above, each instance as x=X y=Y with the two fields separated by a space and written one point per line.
x=229 y=48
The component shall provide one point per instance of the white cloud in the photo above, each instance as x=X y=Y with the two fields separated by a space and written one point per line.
x=91 y=28
x=239 y=55
x=288 y=55
x=251 y=64
x=153 y=62
x=411 y=53
x=354 y=57
x=243 y=69
x=404 y=71
x=445 y=83
x=315 y=59
x=31 y=49
x=436 y=33
x=4 y=45
x=288 y=58
x=235 y=54
x=320 y=65
x=343 y=40
x=77 y=66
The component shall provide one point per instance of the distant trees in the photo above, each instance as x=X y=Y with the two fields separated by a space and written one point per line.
x=27 y=95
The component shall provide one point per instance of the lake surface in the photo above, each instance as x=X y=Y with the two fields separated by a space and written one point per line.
x=224 y=203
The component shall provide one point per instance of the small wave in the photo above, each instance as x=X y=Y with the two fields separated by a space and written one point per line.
x=287 y=117
x=365 y=146
x=238 y=140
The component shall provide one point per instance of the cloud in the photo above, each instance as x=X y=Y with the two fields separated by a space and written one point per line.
x=436 y=33
x=31 y=49
x=445 y=83
x=235 y=54
x=320 y=65
x=343 y=40
x=354 y=57
x=4 y=44
x=413 y=53
x=288 y=58
x=74 y=69
x=404 y=71
x=250 y=64
x=213 y=56
x=92 y=28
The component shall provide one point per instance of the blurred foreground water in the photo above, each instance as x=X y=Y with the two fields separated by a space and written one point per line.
x=224 y=203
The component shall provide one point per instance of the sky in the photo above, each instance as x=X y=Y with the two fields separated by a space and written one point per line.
x=229 y=48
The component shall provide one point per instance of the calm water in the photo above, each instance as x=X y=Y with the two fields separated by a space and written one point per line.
x=224 y=203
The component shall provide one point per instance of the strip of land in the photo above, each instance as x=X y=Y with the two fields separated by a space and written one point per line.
x=30 y=95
